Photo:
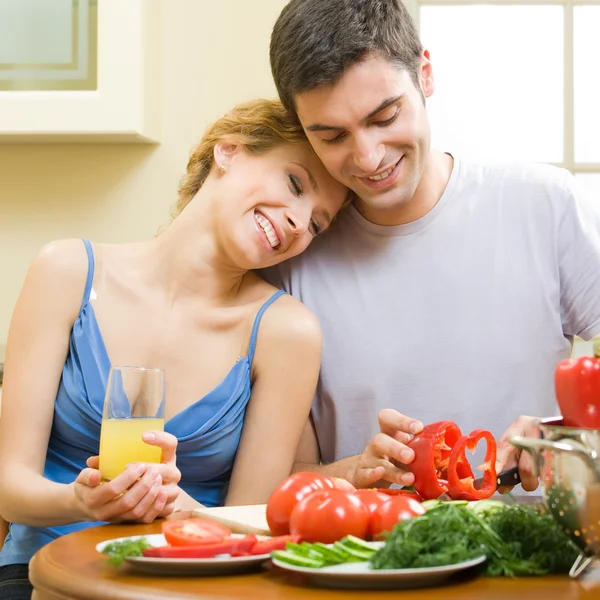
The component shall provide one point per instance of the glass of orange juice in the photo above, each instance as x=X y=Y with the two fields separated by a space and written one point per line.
x=134 y=403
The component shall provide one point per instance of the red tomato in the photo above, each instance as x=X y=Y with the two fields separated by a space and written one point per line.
x=329 y=515
x=372 y=499
x=193 y=532
x=398 y=508
x=287 y=494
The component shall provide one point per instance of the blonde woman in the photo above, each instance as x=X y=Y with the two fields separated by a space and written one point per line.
x=235 y=350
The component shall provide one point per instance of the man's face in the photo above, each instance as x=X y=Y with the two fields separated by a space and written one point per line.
x=372 y=133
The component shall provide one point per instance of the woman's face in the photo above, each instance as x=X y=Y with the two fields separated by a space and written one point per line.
x=271 y=206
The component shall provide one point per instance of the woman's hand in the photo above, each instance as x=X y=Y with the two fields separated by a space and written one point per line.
x=134 y=495
x=142 y=493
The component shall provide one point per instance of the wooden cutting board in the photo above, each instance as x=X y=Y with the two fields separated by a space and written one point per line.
x=240 y=519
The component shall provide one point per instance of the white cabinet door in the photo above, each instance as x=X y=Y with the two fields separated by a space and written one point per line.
x=80 y=70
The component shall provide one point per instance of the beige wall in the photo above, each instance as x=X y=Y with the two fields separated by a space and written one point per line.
x=215 y=55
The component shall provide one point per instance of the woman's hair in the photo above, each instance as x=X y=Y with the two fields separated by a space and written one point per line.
x=259 y=125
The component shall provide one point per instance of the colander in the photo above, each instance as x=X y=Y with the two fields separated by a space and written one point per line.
x=569 y=471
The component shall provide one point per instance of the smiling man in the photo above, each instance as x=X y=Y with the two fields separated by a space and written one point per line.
x=450 y=289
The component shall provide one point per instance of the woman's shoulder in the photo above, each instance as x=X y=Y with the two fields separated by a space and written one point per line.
x=288 y=320
x=66 y=257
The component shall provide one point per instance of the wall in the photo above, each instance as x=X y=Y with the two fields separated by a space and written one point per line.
x=215 y=55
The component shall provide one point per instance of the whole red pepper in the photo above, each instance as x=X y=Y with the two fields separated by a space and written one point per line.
x=432 y=449
x=460 y=474
x=577 y=384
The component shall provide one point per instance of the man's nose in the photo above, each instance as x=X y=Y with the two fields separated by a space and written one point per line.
x=368 y=154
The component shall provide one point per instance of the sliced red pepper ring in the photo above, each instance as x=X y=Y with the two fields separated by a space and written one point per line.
x=432 y=448
x=460 y=474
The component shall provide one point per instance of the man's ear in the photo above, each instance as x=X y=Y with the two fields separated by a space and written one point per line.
x=426 y=75
x=224 y=153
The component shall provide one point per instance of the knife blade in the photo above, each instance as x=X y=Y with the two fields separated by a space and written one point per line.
x=507 y=477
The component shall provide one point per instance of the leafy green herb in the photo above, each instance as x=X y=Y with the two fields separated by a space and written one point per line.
x=517 y=540
x=119 y=551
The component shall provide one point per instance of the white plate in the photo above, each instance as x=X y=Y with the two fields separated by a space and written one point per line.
x=358 y=575
x=218 y=565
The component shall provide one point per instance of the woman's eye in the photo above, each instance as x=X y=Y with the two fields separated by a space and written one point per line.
x=316 y=228
x=296 y=185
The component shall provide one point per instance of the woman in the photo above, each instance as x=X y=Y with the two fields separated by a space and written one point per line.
x=254 y=194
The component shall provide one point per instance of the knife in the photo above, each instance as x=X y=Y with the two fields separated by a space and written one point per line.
x=507 y=477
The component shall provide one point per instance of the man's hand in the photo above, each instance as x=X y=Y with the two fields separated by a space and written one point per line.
x=508 y=456
x=386 y=455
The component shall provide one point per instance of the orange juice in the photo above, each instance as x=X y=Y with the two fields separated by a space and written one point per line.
x=121 y=443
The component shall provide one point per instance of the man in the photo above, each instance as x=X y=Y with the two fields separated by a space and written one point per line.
x=451 y=289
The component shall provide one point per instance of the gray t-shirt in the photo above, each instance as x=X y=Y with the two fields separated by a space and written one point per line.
x=461 y=315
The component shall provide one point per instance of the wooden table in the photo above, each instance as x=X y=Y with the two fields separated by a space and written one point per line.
x=70 y=568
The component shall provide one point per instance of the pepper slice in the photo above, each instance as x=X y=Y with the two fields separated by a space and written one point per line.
x=202 y=551
x=432 y=448
x=460 y=474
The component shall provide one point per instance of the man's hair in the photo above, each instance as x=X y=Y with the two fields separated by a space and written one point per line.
x=315 y=41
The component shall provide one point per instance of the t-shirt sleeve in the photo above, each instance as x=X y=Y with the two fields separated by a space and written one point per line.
x=579 y=261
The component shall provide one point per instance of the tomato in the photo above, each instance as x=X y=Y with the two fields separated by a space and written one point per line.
x=398 y=508
x=372 y=499
x=193 y=532
x=287 y=494
x=329 y=515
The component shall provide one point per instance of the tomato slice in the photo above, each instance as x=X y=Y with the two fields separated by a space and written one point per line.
x=193 y=532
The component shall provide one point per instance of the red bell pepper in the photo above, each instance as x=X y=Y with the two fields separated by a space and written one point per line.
x=202 y=551
x=243 y=546
x=268 y=545
x=460 y=474
x=432 y=449
x=577 y=385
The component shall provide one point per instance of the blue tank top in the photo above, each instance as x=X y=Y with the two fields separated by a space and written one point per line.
x=208 y=431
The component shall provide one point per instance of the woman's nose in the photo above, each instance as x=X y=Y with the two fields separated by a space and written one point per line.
x=297 y=221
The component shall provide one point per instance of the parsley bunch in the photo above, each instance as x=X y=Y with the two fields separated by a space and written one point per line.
x=517 y=540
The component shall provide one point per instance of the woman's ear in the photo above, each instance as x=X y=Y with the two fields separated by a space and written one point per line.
x=224 y=153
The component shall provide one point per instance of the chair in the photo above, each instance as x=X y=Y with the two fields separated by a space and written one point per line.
x=3 y=531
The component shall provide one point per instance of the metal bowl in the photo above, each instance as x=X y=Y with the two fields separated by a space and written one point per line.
x=569 y=470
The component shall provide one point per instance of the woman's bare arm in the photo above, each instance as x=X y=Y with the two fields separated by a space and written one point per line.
x=286 y=367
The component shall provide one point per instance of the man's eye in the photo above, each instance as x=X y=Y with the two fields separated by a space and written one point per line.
x=389 y=121
x=336 y=139
x=296 y=185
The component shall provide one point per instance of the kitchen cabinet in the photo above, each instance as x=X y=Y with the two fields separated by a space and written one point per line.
x=80 y=70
